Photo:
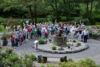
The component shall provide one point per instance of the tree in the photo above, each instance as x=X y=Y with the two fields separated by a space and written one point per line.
x=54 y=4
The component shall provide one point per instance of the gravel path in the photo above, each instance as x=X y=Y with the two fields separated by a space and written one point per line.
x=93 y=52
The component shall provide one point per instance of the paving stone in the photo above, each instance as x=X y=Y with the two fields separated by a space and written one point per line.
x=93 y=52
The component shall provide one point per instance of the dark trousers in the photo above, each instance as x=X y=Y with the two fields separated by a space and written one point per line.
x=85 y=38
x=16 y=42
x=13 y=43
x=67 y=32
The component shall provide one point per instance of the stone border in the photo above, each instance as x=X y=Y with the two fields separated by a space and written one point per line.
x=65 y=51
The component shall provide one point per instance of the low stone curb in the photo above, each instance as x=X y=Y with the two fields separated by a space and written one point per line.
x=64 y=52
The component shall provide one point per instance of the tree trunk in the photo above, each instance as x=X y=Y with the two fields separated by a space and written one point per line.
x=30 y=12
x=69 y=10
x=56 y=10
x=35 y=13
x=91 y=16
x=87 y=9
x=91 y=7
x=65 y=9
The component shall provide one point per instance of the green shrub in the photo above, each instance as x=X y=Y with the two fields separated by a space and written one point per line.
x=88 y=28
x=68 y=46
x=77 y=19
x=10 y=59
x=50 y=65
x=81 y=63
x=9 y=50
x=94 y=36
x=3 y=20
x=68 y=64
x=71 y=60
x=1 y=27
x=50 y=17
x=42 y=41
x=54 y=47
x=74 y=41
x=86 y=63
x=63 y=18
x=86 y=21
x=5 y=34
x=78 y=44
x=32 y=57
x=41 y=19
x=98 y=26
x=42 y=65
x=13 y=58
x=97 y=23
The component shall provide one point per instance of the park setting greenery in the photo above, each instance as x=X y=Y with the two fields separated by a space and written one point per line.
x=42 y=41
x=9 y=59
x=18 y=11
x=70 y=63
x=54 y=47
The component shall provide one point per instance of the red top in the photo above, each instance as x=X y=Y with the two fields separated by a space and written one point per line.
x=12 y=38
x=29 y=29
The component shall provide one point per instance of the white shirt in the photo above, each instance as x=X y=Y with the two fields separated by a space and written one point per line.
x=25 y=30
x=43 y=29
x=72 y=30
x=85 y=32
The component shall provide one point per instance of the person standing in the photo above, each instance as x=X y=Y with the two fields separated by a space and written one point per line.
x=25 y=31
x=72 y=31
x=79 y=35
x=29 y=32
x=16 y=36
x=12 y=38
x=43 y=31
x=34 y=32
x=85 y=35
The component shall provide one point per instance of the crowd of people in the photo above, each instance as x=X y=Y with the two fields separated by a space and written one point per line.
x=36 y=31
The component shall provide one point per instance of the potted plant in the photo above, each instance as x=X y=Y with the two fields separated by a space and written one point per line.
x=4 y=39
x=4 y=36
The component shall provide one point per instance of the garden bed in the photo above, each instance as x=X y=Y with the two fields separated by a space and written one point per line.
x=51 y=48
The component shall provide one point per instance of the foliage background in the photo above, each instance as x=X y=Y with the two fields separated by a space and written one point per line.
x=87 y=11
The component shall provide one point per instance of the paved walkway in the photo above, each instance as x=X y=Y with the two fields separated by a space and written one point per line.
x=93 y=52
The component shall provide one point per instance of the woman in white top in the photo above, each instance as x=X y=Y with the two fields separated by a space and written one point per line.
x=79 y=35
x=72 y=30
